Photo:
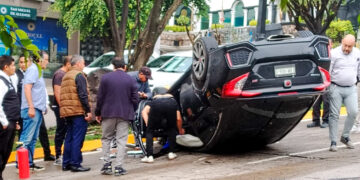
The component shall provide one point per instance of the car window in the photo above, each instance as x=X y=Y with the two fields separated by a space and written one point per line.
x=102 y=61
x=158 y=62
x=177 y=64
x=105 y=60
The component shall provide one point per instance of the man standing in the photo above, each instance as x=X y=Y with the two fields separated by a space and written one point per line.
x=117 y=100
x=343 y=71
x=60 y=122
x=33 y=104
x=141 y=77
x=43 y=135
x=75 y=108
x=9 y=110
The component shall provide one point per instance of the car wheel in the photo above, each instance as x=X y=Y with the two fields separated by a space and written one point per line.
x=201 y=50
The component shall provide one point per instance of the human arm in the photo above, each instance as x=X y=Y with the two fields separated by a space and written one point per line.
x=81 y=86
x=134 y=96
x=179 y=122
x=145 y=114
x=57 y=93
x=99 y=100
x=3 y=120
x=28 y=96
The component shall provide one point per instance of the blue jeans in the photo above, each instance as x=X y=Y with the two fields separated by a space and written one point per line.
x=337 y=96
x=30 y=132
x=74 y=140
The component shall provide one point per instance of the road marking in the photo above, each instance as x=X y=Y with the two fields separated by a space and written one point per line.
x=295 y=154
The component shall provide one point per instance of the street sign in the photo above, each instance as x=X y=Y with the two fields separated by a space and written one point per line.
x=18 y=12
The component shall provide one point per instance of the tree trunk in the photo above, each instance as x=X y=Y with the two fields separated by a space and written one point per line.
x=155 y=25
x=118 y=32
x=107 y=44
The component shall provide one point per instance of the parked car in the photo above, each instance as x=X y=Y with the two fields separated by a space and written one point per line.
x=104 y=61
x=172 y=70
x=249 y=92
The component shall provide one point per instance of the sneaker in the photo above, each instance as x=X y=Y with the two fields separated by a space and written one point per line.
x=347 y=142
x=146 y=159
x=36 y=168
x=106 y=169
x=313 y=124
x=49 y=158
x=58 y=161
x=172 y=155
x=333 y=147
x=119 y=171
x=324 y=125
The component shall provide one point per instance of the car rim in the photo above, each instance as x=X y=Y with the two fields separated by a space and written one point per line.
x=199 y=60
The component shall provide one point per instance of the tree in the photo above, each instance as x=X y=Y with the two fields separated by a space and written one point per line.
x=145 y=23
x=338 y=29
x=11 y=36
x=160 y=14
x=317 y=14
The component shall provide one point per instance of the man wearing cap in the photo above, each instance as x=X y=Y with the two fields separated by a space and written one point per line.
x=141 y=77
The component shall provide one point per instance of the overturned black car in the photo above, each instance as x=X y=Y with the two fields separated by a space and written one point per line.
x=250 y=92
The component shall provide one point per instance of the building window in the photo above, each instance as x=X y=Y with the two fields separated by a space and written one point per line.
x=215 y=18
x=204 y=22
x=227 y=17
x=239 y=14
x=250 y=15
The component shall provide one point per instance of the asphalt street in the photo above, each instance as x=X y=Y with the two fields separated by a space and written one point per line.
x=302 y=154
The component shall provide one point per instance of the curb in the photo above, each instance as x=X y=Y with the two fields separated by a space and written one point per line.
x=92 y=145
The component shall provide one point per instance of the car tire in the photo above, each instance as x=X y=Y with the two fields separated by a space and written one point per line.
x=199 y=67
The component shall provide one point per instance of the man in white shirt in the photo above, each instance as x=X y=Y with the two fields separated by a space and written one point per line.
x=9 y=109
x=343 y=71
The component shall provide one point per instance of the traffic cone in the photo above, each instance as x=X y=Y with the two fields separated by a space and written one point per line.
x=23 y=163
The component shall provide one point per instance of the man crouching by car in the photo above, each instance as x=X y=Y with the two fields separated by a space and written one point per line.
x=162 y=107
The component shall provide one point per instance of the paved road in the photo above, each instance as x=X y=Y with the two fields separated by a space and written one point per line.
x=303 y=154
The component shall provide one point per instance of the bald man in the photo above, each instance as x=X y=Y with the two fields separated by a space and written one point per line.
x=343 y=71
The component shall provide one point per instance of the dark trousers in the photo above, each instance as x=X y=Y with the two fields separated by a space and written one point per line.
x=317 y=106
x=61 y=129
x=6 y=140
x=44 y=138
x=74 y=140
x=171 y=134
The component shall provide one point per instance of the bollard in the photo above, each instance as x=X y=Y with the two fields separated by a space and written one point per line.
x=23 y=163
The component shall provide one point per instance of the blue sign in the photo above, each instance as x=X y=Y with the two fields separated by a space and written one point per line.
x=3 y=50
x=42 y=33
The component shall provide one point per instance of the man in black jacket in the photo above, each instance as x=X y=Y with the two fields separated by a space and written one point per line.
x=9 y=110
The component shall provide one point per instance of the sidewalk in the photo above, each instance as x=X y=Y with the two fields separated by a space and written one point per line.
x=92 y=145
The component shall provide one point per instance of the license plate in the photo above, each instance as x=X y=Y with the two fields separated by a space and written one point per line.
x=285 y=70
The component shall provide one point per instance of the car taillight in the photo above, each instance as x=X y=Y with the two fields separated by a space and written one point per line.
x=234 y=88
x=326 y=79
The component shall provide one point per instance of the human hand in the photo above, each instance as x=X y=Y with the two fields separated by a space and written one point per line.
x=88 y=116
x=182 y=131
x=31 y=112
x=98 y=119
x=18 y=127
x=5 y=127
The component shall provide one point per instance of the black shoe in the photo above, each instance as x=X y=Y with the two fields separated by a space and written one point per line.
x=313 y=124
x=79 y=169
x=66 y=168
x=324 y=125
x=49 y=158
x=119 y=171
x=106 y=169
x=36 y=168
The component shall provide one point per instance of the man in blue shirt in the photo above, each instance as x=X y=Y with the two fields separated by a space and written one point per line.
x=33 y=104
x=141 y=77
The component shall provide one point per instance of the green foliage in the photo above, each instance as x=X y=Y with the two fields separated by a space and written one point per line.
x=217 y=26
x=338 y=29
x=358 y=18
x=176 y=28
x=253 y=22
x=183 y=20
x=13 y=37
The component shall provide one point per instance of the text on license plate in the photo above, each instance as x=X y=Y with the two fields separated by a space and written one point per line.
x=284 y=70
